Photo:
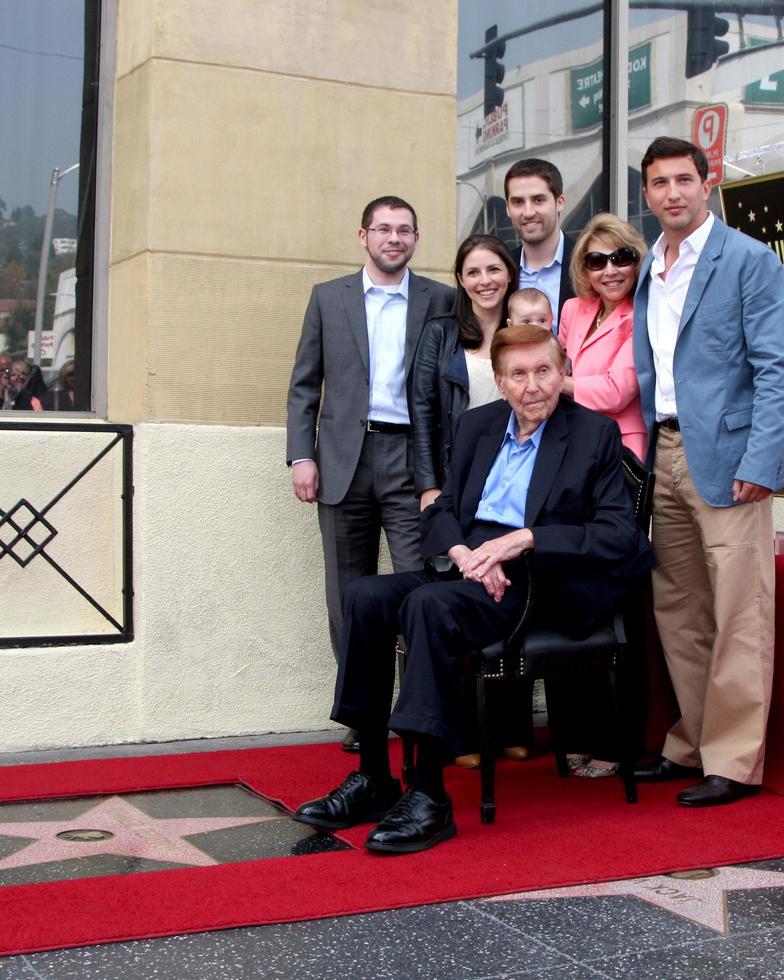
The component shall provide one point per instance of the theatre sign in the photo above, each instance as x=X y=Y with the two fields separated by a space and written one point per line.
x=586 y=87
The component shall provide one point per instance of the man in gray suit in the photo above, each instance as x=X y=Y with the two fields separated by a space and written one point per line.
x=708 y=350
x=349 y=429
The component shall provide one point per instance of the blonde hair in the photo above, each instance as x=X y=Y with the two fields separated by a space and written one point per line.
x=618 y=233
x=530 y=295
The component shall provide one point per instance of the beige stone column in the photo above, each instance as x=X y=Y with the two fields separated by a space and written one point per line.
x=248 y=135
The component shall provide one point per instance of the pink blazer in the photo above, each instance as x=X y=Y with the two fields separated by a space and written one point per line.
x=603 y=366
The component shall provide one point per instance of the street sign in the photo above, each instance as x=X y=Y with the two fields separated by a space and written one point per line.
x=47 y=345
x=710 y=134
x=586 y=86
x=768 y=90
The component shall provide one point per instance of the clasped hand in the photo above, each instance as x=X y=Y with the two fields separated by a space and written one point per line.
x=485 y=563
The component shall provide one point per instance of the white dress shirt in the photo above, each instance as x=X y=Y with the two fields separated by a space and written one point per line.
x=386 y=308
x=666 y=299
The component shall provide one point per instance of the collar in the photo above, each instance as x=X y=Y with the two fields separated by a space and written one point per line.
x=400 y=288
x=696 y=240
x=558 y=257
x=511 y=431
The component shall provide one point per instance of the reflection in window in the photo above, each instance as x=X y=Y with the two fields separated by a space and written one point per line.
x=48 y=68
x=539 y=93
x=719 y=84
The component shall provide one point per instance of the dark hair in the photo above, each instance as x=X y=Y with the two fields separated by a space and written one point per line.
x=664 y=147
x=469 y=330
x=534 y=167
x=528 y=335
x=385 y=202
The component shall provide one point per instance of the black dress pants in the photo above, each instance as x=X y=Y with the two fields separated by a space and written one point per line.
x=441 y=621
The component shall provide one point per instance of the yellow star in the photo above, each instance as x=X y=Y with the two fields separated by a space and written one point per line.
x=752 y=216
x=779 y=226
x=740 y=204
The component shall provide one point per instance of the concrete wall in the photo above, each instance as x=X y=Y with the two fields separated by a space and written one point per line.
x=247 y=137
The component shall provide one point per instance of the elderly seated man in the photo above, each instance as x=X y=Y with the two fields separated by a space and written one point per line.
x=535 y=472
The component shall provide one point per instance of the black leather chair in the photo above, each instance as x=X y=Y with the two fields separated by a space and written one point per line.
x=549 y=653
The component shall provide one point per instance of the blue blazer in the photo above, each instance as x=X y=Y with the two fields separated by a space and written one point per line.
x=728 y=365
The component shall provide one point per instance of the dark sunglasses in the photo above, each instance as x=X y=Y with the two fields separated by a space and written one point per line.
x=621 y=257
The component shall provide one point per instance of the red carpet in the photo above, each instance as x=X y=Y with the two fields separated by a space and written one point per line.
x=549 y=832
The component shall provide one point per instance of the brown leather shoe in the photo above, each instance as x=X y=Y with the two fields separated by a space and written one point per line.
x=471 y=761
x=715 y=791
x=519 y=753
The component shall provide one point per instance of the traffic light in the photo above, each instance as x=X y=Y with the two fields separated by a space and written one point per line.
x=703 y=28
x=494 y=70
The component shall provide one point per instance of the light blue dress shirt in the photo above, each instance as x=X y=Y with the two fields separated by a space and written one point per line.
x=506 y=487
x=386 y=308
x=548 y=279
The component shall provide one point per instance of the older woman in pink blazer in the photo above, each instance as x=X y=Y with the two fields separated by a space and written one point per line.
x=596 y=326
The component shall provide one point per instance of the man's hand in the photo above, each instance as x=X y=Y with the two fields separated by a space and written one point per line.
x=493 y=577
x=494 y=581
x=496 y=551
x=745 y=492
x=305 y=479
x=428 y=497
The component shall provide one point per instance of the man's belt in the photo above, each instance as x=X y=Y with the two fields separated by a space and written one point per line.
x=388 y=427
x=671 y=423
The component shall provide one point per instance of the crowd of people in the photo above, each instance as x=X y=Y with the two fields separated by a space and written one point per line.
x=23 y=388
x=485 y=424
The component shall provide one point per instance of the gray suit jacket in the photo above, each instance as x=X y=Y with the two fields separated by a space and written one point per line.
x=333 y=354
x=728 y=365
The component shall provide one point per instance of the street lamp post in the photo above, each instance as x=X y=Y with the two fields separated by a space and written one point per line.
x=482 y=197
x=43 y=265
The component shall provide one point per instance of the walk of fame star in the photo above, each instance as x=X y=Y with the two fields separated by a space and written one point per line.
x=133 y=833
x=700 y=896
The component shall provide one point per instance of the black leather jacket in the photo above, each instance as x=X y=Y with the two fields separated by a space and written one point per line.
x=440 y=395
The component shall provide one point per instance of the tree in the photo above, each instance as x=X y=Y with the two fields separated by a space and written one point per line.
x=12 y=276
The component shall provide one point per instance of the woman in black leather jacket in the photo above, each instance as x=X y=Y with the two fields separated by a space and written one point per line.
x=452 y=370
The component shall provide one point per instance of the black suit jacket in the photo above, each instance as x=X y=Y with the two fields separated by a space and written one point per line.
x=578 y=506
x=566 y=280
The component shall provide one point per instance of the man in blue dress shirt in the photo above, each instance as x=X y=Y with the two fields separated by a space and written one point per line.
x=536 y=473
x=535 y=200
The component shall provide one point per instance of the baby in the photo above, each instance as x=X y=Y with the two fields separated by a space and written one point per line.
x=530 y=306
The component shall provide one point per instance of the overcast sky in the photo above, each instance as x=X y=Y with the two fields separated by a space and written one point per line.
x=41 y=45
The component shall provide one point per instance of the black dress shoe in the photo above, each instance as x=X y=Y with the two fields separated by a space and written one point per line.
x=351 y=742
x=716 y=790
x=358 y=799
x=413 y=824
x=664 y=769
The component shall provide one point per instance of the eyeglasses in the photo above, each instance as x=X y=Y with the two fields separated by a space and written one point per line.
x=621 y=258
x=384 y=231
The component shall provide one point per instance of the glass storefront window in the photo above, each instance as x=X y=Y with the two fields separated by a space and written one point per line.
x=718 y=82
x=552 y=106
x=48 y=67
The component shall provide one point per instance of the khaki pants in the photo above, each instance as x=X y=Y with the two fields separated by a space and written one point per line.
x=713 y=596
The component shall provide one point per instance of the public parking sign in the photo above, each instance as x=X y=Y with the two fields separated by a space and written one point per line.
x=710 y=134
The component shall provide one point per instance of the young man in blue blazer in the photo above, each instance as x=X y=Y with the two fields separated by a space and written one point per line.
x=709 y=353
